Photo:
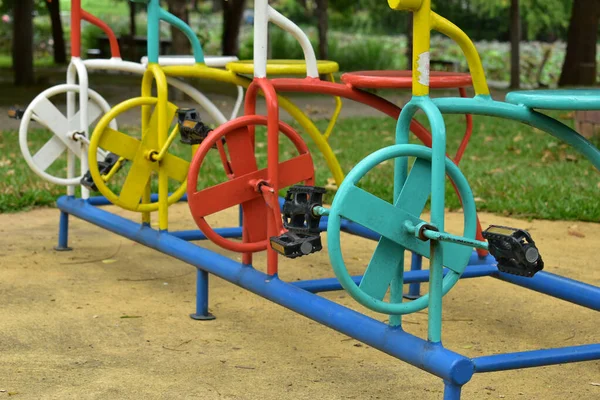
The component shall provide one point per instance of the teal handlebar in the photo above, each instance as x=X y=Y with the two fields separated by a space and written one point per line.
x=156 y=14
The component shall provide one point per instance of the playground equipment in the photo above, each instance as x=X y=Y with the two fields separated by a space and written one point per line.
x=397 y=226
x=267 y=183
x=70 y=132
x=156 y=141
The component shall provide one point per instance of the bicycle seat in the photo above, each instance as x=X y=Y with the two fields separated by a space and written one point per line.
x=569 y=100
x=403 y=79
x=283 y=67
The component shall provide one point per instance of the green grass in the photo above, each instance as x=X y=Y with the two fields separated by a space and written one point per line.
x=512 y=169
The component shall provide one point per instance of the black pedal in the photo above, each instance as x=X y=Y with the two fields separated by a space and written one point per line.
x=105 y=167
x=15 y=113
x=192 y=129
x=293 y=245
x=303 y=236
x=298 y=208
x=515 y=250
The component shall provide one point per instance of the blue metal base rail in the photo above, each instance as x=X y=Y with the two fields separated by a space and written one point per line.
x=453 y=368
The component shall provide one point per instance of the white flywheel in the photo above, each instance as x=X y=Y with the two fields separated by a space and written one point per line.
x=64 y=140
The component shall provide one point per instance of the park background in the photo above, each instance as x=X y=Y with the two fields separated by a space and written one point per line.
x=109 y=320
x=522 y=43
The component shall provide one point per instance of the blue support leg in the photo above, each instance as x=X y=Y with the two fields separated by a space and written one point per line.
x=63 y=233
x=414 y=289
x=451 y=391
x=202 y=313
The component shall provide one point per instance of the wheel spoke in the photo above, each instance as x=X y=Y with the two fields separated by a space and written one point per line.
x=241 y=151
x=49 y=153
x=53 y=119
x=119 y=143
x=389 y=256
x=94 y=111
x=150 y=137
x=137 y=178
x=417 y=189
x=413 y=198
x=238 y=191
x=380 y=216
x=383 y=268
x=255 y=214
x=295 y=170
x=373 y=213
x=176 y=168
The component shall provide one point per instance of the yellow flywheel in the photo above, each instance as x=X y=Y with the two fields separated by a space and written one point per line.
x=146 y=157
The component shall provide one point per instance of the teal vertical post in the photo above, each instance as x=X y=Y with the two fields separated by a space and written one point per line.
x=438 y=194
x=153 y=35
x=400 y=176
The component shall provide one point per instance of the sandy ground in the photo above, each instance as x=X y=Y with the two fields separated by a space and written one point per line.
x=63 y=331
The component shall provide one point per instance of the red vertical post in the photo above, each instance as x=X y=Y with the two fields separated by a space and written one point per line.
x=75 y=28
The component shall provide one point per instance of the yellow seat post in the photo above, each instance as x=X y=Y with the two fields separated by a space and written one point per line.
x=155 y=74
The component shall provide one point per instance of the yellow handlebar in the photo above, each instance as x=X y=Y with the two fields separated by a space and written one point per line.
x=424 y=21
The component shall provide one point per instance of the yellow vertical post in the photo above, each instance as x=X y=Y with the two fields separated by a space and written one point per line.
x=146 y=113
x=155 y=74
x=422 y=34
x=421 y=54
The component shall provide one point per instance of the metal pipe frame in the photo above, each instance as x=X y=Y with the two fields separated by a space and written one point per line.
x=454 y=369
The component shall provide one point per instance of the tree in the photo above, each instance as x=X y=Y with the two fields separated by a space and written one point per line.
x=22 y=45
x=233 y=11
x=515 y=45
x=180 y=43
x=580 y=62
x=132 y=23
x=58 y=37
x=323 y=27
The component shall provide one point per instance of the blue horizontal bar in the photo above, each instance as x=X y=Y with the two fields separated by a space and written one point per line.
x=359 y=230
x=189 y=236
x=558 y=286
x=431 y=357
x=103 y=201
x=537 y=358
x=332 y=284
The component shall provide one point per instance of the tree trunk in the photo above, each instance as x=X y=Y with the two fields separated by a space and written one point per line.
x=515 y=45
x=580 y=62
x=233 y=10
x=22 y=49
x=132 y=23
x=179 y=42
x=323 y=26
x=60 y=52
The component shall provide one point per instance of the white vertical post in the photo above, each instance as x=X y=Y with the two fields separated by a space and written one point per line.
x=83 y=120
x=290 y=27
x=261 y=27
x=71 y=79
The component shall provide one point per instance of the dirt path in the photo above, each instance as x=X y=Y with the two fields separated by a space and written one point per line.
x=64 y=335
